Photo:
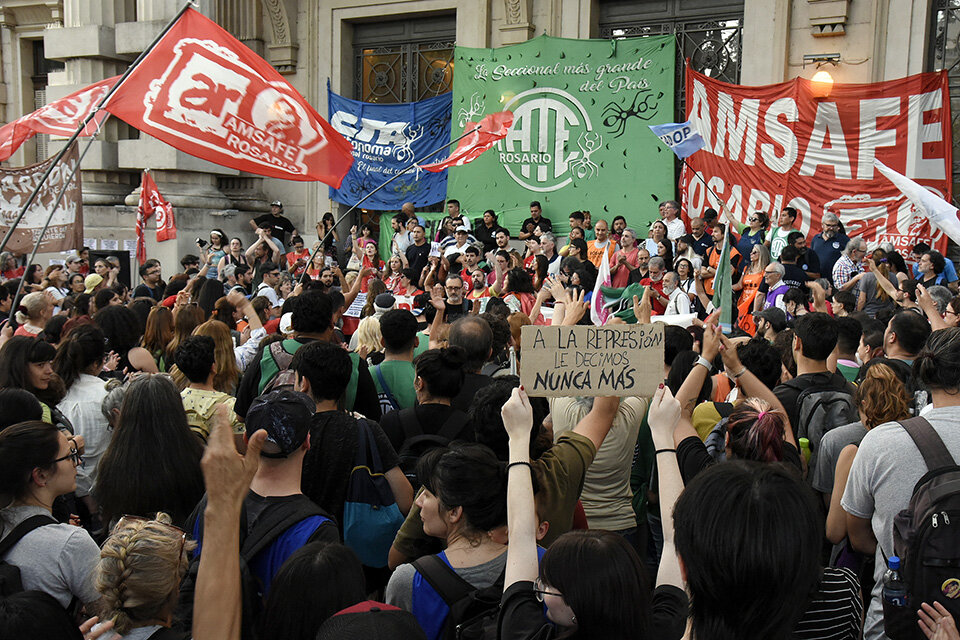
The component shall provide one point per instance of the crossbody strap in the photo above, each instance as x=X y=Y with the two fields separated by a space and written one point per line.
x=386 y=388
x=445 y=581
x=935 y=453
x=22 y=529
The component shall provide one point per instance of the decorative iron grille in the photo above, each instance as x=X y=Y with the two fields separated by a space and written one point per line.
x=945 y=54
x=403 y=72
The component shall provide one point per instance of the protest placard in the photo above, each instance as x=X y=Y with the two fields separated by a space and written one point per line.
x=620 y=360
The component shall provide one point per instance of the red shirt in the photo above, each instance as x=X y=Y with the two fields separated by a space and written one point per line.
x=658 y=307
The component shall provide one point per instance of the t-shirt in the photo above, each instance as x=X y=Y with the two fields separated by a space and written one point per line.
x=530 y=224
x=58 y=559
x=606 y=495
x=81 y=406
x=828 y=252
x=836 y=611
x=884 y=472
x=559 y=473
x=675 y=228
x=417 y=256
x=472 y=382
x=333 y=452
x=399 y=376
x=777 y=237
x=794 y=276
x=700 y=246
x=281 y=226
x=200 y=405
x=868 y=287
x=431 y=417
x=823 y=475
x=849 y=371
x=143 y=291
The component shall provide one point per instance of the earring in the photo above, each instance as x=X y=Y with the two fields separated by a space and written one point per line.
x=573 y=618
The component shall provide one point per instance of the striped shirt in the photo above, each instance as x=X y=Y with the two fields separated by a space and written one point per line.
x=836 y=611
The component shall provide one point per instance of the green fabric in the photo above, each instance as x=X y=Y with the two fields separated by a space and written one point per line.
x=594 y=100
x=399 y=375
x=350 y=395
x=269 y=368
x=423 y=345
x=723 y=286
x=848 y=372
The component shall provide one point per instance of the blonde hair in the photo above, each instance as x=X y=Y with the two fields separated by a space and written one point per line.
x=141 y=566
x=31 y=306
x=368 y=334
x=227 y=375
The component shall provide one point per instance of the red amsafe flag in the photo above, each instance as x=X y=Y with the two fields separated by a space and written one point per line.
x=205 y=93
x=492 y=128
x=61 y=118
x=151 y=202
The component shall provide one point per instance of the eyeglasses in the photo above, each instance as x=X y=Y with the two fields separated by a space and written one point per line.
x=539 y=588
x=74 y=456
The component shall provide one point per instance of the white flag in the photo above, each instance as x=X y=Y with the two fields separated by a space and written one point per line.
x=598 y=312
x=942 y=214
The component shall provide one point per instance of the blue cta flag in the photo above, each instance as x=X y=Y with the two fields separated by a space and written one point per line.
x=682 y=138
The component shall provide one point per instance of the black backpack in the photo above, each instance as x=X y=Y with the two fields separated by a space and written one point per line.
x=473 y=612
x=821 y=408
x=267 y=529
x=10 y=582
x=416 y=442
x=926 y=535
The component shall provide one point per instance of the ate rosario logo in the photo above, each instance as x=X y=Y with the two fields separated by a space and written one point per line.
x=208 y=96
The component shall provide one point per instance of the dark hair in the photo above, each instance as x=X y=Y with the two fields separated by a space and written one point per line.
x=102 y=298
x=472 y=249
x=120 y=327
x=152 y=462
x=35 y=614
x=912 y=330
x=474 y=336
x=792 y=237
x=24 y=447
x=749 y=535
x=195 y=357
x=895 y=260
x=872 y=333
x=761 y=359
x=469 y=476
x=312 y=312
x=937 y=365
x=849 y=331
x=484 y=412
x=146 y=266
x=588 y=566
x=668 y=258
x=498 y=307
x=296 y=606
x=681 y=366
x=845 y=299
x=795 y=295
x=223 y=311
x=756 y=431
x=789 y=254
x=398 y=327
x=577 y=215
x=818 y=335
x=519 y=281
x=210 y=292
x=326 y=366
x=936 y=258
x=53 y=329
x=84 y=346
x=790 y=211
x=500 y=331
x=453 y=201
x=18 y=405
x=16 y=354
x=441 y=371
x=410 y=274
x=675 y=340
x=783 y=343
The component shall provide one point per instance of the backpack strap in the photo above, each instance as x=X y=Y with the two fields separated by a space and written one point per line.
x=409 y=423
x=22 y=529
x=929 y=442
x=386 y=388
x=272 y=525
x=444 y=580
x=454 y=424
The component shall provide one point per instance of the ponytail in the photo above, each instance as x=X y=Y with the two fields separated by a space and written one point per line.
x=84 y=346
x=756 y=431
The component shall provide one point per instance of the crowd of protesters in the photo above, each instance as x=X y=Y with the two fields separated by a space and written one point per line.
x=294 y=440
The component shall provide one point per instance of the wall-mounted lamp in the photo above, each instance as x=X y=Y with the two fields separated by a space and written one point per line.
x=822 y=82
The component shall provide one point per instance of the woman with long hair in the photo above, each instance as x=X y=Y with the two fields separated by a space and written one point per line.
x=121 y=329
x=686 y=275
x=38 y=464
x=234 y=255
x=33 y=278
x=227 y=373
x=367 y=339
x=751 y=233
x=316 y=266
x=658 y=232
x=152 y=463
x=55 y=282
x=749 y=285
x=369 y=259
x=158 y=334
x=665 y=251
x=33 y=312
x=463 y=502
x=141 y=566
x=327 y=233
x=208 y=295
x=391 y=273
x=187 y=316
x=76 y=284
x=27 y=363
x=873 y=298
x=519 y=293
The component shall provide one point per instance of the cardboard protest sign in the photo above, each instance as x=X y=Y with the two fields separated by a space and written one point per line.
x=619 y=360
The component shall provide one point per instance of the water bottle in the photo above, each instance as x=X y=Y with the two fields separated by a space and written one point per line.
x=894 y=591
x=805 y=449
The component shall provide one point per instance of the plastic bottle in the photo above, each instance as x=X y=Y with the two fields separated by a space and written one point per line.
x=894 y=591
x=805 y=448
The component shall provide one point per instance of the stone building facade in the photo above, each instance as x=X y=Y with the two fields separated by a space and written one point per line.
x=402 y=50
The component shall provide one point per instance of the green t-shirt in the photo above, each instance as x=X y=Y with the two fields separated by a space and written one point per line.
x=848 y=372
x=399 y=375
x=777 y=238
x=424 y=345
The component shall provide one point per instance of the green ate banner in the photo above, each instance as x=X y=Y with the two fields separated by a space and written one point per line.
x=579 y=140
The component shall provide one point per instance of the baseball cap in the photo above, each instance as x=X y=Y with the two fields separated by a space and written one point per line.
x=73 y=259
x=285 y=416
x=370 y=620
x=91 y=282
x=462 y=228
x=775 y=316
x=276 y=203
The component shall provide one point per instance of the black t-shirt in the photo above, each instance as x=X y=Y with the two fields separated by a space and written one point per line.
x=810 y=261
x=456 y=311
x=488 y=236
x=529 y=224
x=794 y=276
x=143 y=291
x=700 y=246
x=332 y=456
x=281 y=226
x=417 y=256
x=431 y=417
x=472 y=382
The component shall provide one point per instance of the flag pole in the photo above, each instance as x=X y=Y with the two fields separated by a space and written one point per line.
x=53 y=211
x=366 y=197
x=86 y=121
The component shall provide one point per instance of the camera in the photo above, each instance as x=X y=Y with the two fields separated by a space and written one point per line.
x=201 y=243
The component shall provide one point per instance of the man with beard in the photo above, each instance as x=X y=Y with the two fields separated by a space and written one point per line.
x=808 y=260
x=829 y=243
x=679 y=301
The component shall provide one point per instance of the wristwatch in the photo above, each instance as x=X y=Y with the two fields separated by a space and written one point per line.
x=706 y=364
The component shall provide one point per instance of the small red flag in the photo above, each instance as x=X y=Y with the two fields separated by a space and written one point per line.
x=204 y=92
x=151 y=202
x=492 y=128
x=60 y=117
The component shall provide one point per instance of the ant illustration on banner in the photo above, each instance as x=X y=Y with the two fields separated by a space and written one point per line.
x=615 y=116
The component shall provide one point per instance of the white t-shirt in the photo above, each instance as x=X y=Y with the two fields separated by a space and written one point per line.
x=777 y=238
x=81 y=406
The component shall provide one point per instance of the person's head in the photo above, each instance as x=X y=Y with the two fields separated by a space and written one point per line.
x=159 y=329
x=658 y=231
x=322 y=370
x=271 y=274
x=502 y=238
x=697 y=227
x=76 y=284
x=576 y=220
x=671 y=209
x=577 y=575
x=398 y=330
x=761 y=359
x=190 y=261
x=829 y=225
x=74 y=262
x=27 y=363
x=34 y=308
x=535 y=210
x=919 y=249
x=473 y=335
x=141 y=566
x=675 y=341
x=937 y=365
x=195 y=358
x=453 y=286
x=82 y=351
x=931 y=263
x=465 y=492
x=316 y=581
x=773 y=273
x=786 y=218
x=684 y=269
x=815 y=336
x=18 y=405
x=601 y=230
x=56 y=275
x=150 y=272
x=107 y=297
x=871 y=341
x=789 y=255
x=36 y=614
x=439 y=373
x=665 y=250
x=856 y=249
x=643 y=258
x=670 y=282
x=519 y=281
x=312 y=313
x=36 y=462
x=882 y=397
x=471 y=256
x=276 y=208
x=757 y=220
x=795 y=301
x=578 y=248
x=656 y=268
x=619 y=224
x=849 y=332
x=285 y=416
x=906 y=334
x=755 y=432
x=748 y=536
x=453 y=207
x=489 y=217
x=577 y=233
x=942 y=296
x=771 y=319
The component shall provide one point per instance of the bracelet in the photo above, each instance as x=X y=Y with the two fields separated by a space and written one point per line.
x=739 y=373
x=659 y=451
x=518 y=464
x=706 y=364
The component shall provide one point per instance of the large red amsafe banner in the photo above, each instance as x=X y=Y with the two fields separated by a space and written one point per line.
x=774 y=146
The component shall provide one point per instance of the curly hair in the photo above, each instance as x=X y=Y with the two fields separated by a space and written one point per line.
x=141 y=566
x=882 y=397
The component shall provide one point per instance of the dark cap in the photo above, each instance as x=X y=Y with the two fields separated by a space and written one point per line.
x=384 y=302
x=775 y=316
x=285 y=416
x=371 y=620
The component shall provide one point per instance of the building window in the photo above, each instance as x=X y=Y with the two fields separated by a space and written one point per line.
x=708 y=32
x=945 y=54
x=404 y=60
x=41 y=68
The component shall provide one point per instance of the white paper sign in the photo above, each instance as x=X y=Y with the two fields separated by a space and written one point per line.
x=109 y=245
x=357 y=306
